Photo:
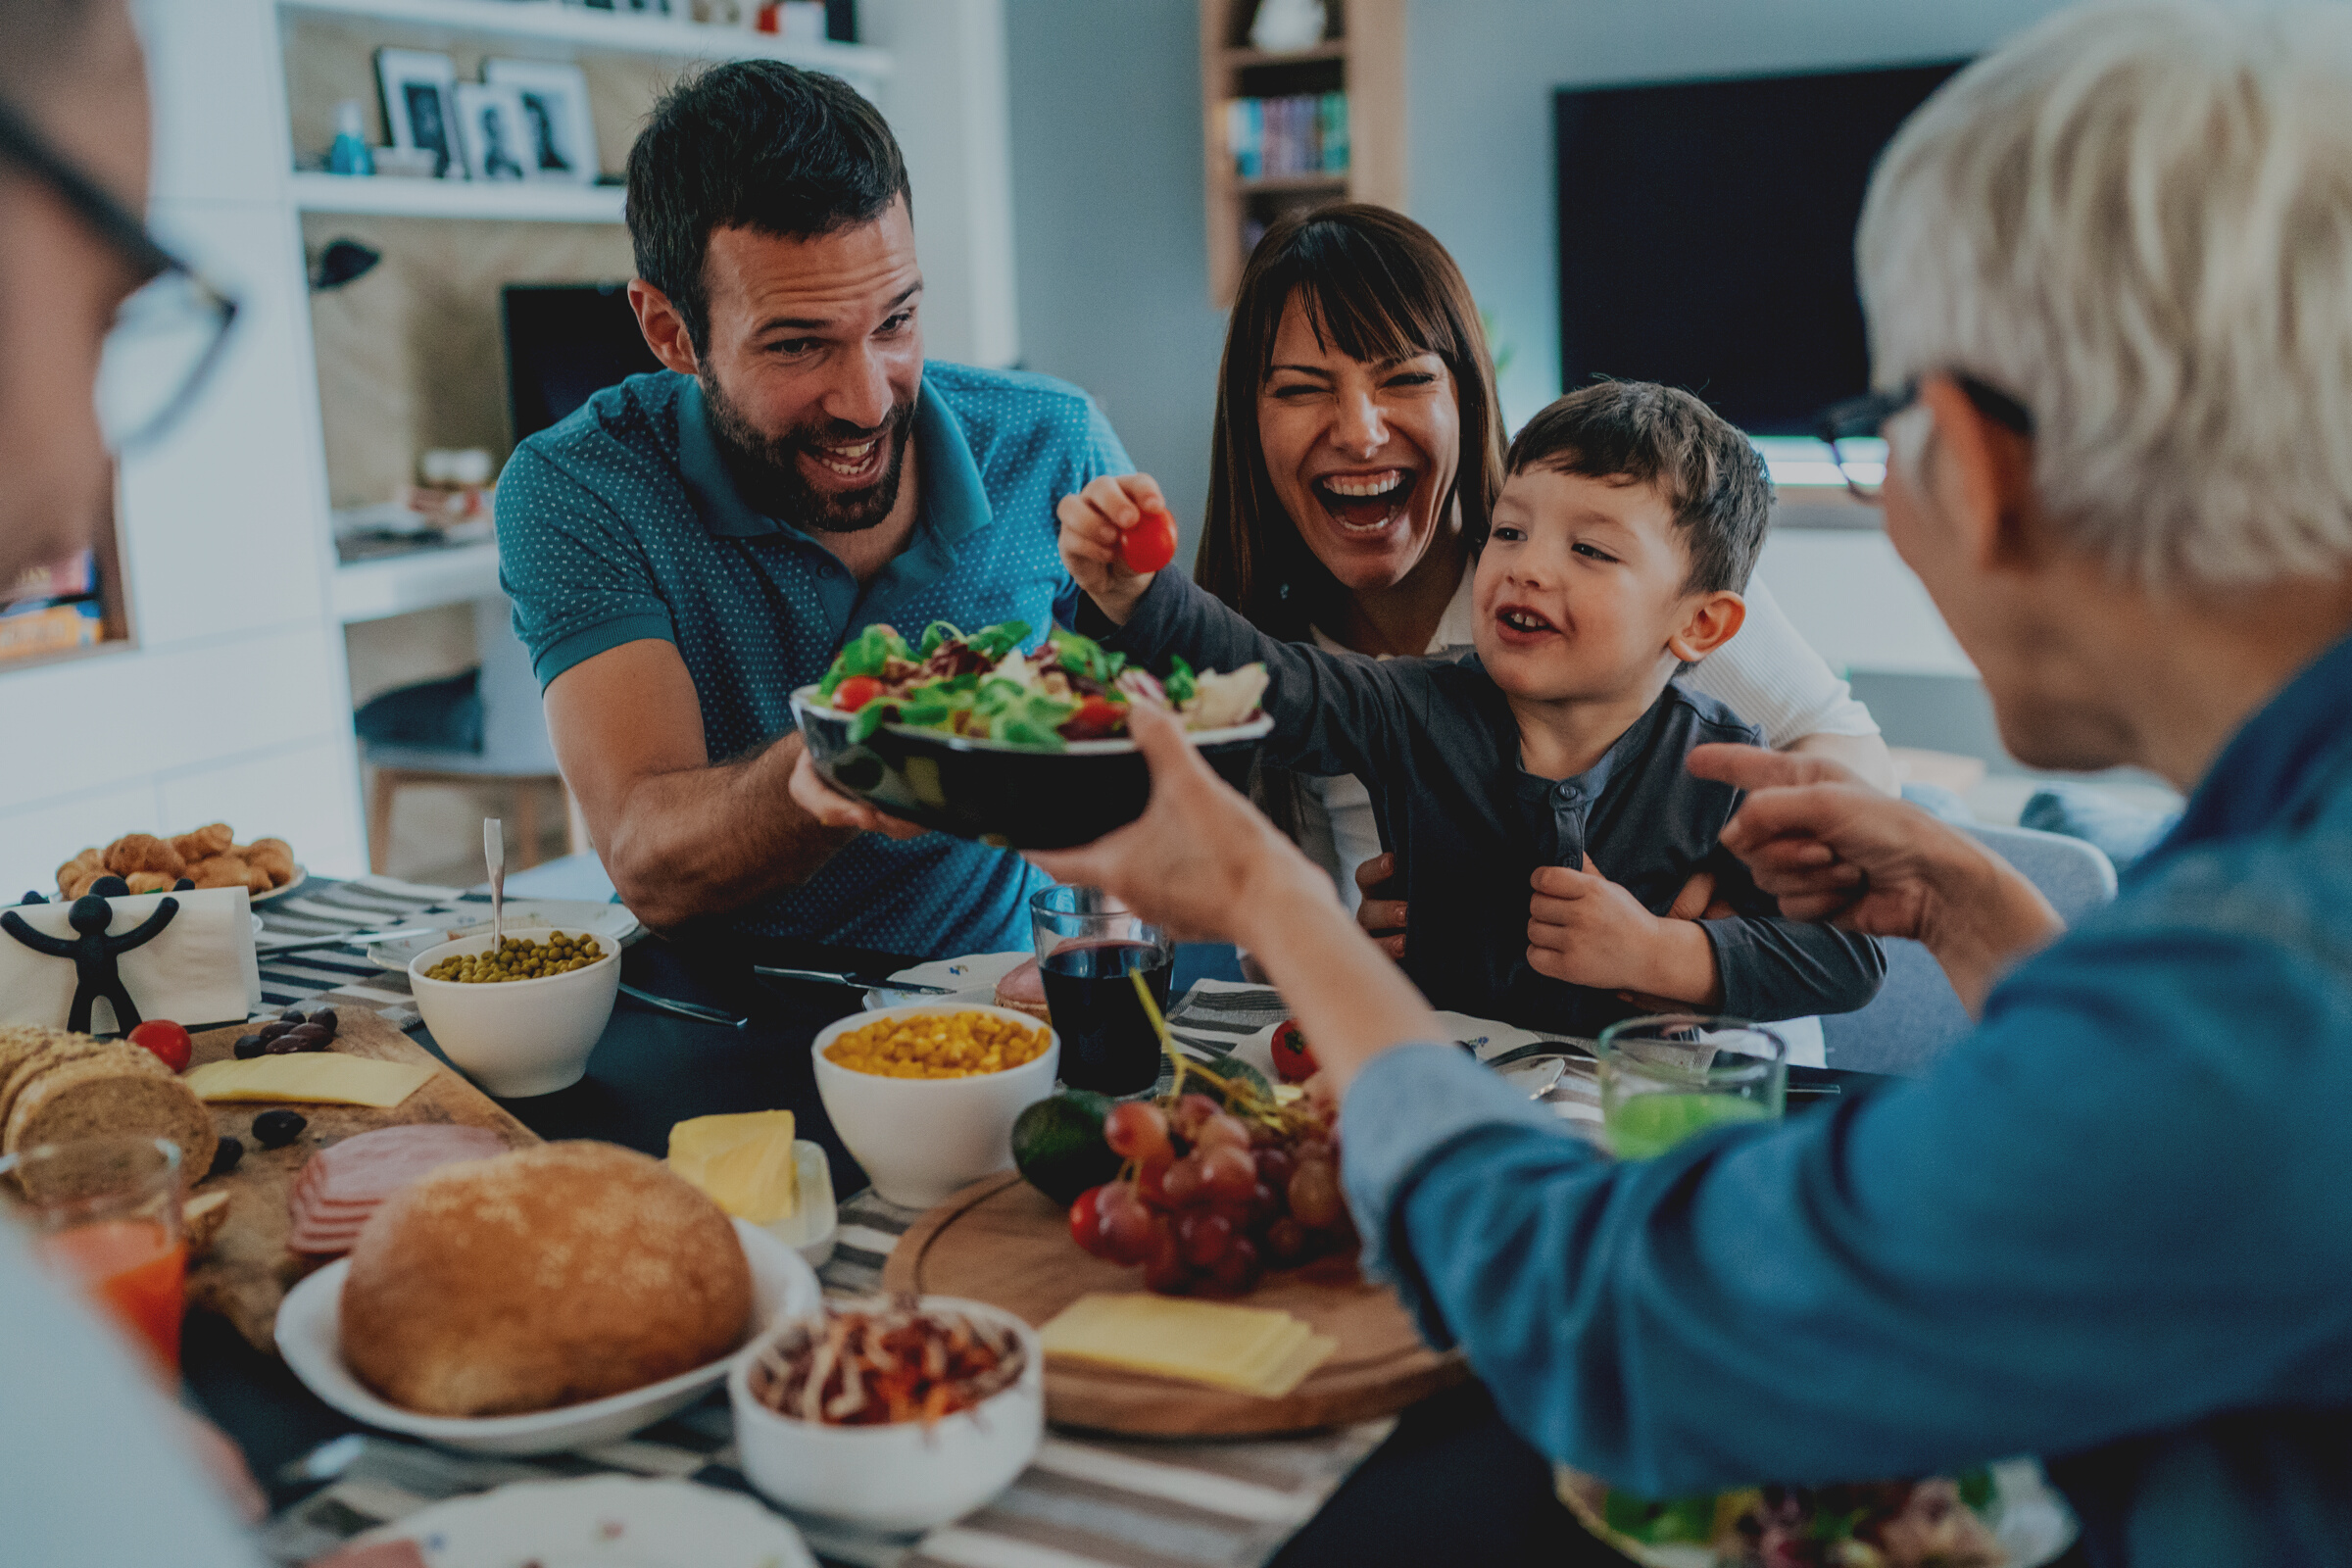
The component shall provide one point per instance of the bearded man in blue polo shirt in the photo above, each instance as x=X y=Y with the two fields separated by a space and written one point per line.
x=692 y=545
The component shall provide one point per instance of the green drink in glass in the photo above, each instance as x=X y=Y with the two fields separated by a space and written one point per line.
x=1665 y=1078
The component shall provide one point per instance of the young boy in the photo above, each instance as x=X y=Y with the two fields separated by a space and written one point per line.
x=1629 y=522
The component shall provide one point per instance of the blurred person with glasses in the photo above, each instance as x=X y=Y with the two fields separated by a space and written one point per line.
x=96 y=1464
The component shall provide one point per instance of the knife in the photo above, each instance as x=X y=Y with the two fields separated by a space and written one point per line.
x=856 y=982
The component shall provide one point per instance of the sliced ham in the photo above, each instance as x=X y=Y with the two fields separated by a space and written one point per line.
x=345 y=1183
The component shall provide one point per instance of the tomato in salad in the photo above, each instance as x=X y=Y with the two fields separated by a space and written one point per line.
x=855 y=693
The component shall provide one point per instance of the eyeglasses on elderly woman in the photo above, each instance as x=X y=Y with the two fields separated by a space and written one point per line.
x=168 y=336
x=1852 y=429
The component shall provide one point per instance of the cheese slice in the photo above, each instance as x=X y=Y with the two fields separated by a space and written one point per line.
x=327 y=1077
x=746 y=1162
x=1249 y=1349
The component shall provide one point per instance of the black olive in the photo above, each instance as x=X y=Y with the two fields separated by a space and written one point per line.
x=275 y=1129
x=325 y=1019
x=249 y=1047
x=273 y=1028
x=293 y=1015
x=308 y=1031
x=285 y=1045
x=225 y=1157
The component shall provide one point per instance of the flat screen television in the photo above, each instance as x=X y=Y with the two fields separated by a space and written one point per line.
x=1707 y=233
x=567 y=342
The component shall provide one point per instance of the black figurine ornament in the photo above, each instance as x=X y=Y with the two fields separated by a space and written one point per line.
x=108 y=887
x=32 y=898
x=94 y=953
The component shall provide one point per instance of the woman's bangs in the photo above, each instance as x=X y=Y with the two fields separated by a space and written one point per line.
x=1355 y=303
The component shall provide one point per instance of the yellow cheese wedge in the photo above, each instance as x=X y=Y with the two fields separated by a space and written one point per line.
x=1249 y=1350
x=746 y=1162
x=326 y=1077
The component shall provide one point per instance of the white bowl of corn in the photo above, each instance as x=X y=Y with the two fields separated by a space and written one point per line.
x=924 y=1097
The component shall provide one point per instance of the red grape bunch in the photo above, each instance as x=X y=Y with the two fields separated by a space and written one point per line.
x=1211 y=1199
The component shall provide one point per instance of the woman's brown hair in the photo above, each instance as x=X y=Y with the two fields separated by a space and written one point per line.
x=1377 y=286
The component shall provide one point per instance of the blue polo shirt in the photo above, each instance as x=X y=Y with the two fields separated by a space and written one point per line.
x=622 y=523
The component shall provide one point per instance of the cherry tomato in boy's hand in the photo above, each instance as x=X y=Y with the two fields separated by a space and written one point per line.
x=168 y=1040
x=1294 y=1063
x=1151 y=544
x=1095 y=718
x=855 y=693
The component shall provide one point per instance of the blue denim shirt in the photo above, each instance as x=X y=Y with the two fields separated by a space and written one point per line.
x=2112 y=1227
x=622 y=523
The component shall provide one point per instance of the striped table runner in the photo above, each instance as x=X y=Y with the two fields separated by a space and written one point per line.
x=319 y=909
x=1086 y=1501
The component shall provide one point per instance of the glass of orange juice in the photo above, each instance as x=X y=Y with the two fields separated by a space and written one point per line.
x=105 y=1214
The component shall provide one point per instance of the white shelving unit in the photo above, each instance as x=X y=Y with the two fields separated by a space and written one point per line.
x=492 y=200
x=422 y=580
x=545 y=21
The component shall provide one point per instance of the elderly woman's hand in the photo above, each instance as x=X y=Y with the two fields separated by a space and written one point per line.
x=1831 y=847
x=1203 y=862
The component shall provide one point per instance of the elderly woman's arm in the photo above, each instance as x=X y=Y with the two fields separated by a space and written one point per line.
x=1203 y=862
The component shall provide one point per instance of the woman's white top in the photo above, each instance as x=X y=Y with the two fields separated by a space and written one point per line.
x=1768 y=674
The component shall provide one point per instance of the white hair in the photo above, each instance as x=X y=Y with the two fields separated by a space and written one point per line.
x=2136 y=219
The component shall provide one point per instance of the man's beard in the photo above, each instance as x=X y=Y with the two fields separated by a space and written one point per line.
x=766 y=468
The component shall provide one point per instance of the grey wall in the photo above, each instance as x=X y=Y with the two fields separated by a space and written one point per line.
x=1479 y=79
x=1108 y=236
x=1107 y=193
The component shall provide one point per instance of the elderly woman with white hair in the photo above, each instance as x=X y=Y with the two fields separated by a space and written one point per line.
x=2108 y=272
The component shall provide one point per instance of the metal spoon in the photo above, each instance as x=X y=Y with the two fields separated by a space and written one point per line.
x=494 y=852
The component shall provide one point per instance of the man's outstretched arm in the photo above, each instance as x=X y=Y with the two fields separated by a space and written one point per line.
x=679 y=835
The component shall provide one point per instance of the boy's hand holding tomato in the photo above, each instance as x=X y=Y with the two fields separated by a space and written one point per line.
x=1116 y=536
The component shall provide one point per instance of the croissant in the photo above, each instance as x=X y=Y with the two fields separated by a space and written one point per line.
x=143 y=851
x=224 y=871
x=204 y=843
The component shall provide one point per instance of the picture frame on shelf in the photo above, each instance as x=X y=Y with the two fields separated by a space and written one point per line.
x=494 y=131
x=420 y=111
x=560 y=132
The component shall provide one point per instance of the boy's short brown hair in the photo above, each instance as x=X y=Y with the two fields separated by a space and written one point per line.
x=1639 y=432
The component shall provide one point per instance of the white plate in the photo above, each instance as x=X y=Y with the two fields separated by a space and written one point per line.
x=973 y=976
x=601 y=1522
x=309 y=1336
x=610 y=923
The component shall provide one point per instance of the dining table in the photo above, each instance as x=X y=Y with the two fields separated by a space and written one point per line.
x=1448 y=1482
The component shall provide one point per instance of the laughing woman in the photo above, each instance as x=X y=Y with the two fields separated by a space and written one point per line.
x=1359 y=450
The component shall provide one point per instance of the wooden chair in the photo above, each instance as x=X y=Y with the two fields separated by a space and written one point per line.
x=515 y=750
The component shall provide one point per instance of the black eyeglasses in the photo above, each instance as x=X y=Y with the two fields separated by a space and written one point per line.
x=168 y=336
x=1851 y=429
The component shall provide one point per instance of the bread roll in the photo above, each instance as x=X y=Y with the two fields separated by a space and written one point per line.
x=109 y=1090
x=541 y=1277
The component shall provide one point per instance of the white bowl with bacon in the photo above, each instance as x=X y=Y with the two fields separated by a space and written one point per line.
x=904 y=1474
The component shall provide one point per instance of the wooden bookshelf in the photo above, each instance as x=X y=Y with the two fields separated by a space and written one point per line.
x=1362 y=54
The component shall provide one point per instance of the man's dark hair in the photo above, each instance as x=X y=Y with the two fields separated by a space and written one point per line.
x=1639 y=432
x=752 y=144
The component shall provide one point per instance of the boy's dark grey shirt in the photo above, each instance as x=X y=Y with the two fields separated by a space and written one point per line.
x=1435 y=743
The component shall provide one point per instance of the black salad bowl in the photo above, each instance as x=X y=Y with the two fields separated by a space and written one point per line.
x=1014 y=797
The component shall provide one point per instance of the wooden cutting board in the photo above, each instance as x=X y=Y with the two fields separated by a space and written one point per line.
x=247 y=1270
x=1003 y=1241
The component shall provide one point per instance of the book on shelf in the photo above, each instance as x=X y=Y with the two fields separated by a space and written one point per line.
x=1271 y=138
x=42 y=628
x=74 y=577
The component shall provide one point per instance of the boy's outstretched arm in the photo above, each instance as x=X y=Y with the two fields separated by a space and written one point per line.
x=1092 y=523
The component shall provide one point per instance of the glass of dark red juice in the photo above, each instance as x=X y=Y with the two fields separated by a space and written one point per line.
x=1088 y=943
